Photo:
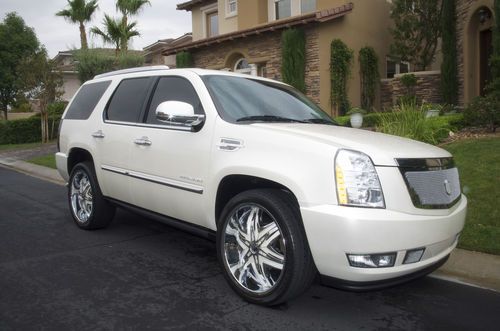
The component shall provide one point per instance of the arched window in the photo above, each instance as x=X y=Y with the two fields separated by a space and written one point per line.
x=242 y=66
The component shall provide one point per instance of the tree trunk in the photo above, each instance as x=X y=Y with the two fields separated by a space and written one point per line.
x=5 y=114
x=124 y=41
x=83 y=36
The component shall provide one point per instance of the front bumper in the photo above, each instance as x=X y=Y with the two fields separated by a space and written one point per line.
x=334 y=231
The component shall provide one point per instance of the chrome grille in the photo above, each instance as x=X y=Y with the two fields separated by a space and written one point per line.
x=432 y=183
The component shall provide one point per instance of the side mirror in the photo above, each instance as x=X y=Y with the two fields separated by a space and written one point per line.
x=178 y=113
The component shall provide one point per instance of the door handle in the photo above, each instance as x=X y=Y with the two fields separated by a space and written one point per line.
x=143 y=141
x=98 y=134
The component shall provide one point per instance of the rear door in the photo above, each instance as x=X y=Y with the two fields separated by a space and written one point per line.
x=170 y=171
x=114 y=136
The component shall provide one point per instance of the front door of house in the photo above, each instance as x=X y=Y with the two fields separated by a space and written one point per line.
x=485 y=51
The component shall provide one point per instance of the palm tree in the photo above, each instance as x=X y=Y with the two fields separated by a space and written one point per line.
x=115 y=32
x=129 y=8
x=80 y=11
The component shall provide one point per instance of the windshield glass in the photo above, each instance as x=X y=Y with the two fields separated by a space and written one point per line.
x=240 y=100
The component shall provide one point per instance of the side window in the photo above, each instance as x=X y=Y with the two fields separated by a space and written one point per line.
x=85 y=101
x=173 y=89
x=127 y=101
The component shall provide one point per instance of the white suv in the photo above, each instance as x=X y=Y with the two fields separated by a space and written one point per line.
x=286 y=192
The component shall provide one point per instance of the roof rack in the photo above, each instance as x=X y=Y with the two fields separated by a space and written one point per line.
x=131 y=70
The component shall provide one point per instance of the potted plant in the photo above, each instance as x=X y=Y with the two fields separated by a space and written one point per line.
x=356 y=117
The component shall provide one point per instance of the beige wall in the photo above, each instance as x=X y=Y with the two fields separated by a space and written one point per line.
x=71 y=84
x=367 y=25
x=251 y=13
x=197 y=22
x=226 y=24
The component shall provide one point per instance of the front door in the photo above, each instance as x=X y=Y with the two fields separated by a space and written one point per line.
x=485 y=49
x=169 y=165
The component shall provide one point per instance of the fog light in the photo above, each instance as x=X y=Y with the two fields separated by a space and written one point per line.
x=372 y=260
x=413 y=255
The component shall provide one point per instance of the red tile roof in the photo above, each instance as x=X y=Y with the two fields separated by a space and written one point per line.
x=315 y=17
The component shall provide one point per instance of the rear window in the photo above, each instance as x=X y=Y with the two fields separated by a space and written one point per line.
x=85 y=101
x=128 y=100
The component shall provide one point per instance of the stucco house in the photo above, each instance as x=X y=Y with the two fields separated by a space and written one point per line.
x=153 y=53
x=65 y=63
x=245 y=36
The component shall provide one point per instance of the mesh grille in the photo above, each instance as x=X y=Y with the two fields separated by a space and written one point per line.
x=433 y=189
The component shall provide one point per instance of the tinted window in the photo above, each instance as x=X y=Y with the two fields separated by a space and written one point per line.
x=128 y=99
x=173 y=89
x=85 y=101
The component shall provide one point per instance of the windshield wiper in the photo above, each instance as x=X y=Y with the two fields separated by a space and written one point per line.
x=268 y=118
x=319 y=121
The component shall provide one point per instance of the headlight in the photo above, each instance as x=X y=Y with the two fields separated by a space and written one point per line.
x=357 y=180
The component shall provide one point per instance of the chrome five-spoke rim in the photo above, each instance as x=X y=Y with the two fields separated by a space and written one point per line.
x=254 y=248
x=81 y=196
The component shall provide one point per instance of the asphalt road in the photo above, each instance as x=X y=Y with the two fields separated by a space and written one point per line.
x=139 y=274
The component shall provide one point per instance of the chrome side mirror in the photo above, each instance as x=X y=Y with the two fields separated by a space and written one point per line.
x=178 y=113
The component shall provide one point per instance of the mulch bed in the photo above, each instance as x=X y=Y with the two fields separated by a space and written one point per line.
x=470 y=133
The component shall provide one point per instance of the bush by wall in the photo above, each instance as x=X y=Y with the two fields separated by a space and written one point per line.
x=370 y=77
x=483 y=111
x=340 y=68
x=184 y=59
x=293 y=57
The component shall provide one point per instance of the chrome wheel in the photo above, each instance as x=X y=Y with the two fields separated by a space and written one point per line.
x=81 y=196
x=254 y=248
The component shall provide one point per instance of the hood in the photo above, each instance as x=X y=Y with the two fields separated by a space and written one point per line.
x=382 y=148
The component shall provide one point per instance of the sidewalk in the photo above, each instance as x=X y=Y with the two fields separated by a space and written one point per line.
x=463 y=266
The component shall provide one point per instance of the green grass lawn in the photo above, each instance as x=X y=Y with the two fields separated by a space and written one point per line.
x=9 y=147
x=46 y=161
x=478 y=163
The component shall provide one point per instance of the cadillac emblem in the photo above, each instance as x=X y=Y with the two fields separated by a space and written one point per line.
x=447 y=187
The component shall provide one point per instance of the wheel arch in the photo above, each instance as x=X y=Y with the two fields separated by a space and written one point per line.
x=77 y=155
x=231 y=185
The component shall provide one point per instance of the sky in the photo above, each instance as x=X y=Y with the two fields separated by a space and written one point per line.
x=161 y=20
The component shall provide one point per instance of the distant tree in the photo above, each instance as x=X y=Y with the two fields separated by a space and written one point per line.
x=129 y=8
x=17 y=42
x=115 y=32
x=43 y=83
x=80 y=12
x=417 y=28
x=449 y=76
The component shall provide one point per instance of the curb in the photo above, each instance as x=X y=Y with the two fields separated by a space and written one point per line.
x=465 y=267
x=34 y=170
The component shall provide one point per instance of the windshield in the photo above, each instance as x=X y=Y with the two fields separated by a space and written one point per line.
x=240 y=100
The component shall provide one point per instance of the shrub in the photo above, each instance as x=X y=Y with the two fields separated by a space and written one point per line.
x=26 y=130
x=22 y=108
x=93 y=62
x=340 y=69
x=184 y=59
x=293 y=57
x=368 y=69
x=483 y=111
x=410 y=121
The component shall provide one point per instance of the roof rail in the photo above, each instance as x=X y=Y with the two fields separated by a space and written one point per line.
x=131 y=70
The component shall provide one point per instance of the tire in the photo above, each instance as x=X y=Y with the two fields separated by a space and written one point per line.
x=88 y=207
x=266 y=259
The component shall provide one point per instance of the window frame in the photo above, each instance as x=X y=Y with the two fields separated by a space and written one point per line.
x=295 y=9
x=143 y=106
x=397 y=67
x=230 y=13
x=146 y=110
x=205 y=12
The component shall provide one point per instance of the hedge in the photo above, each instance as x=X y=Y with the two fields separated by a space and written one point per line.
x=440 y=125
x=27 y=130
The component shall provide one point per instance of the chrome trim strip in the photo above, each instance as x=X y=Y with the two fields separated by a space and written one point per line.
x=155 y=179
x=154 y=126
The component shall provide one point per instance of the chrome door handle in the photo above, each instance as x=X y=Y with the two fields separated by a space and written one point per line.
x=143 y=141
x=98 y=134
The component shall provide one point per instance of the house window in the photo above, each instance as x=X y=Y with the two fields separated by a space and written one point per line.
x=396 y=67
x=212 y=24
x=307 y=6
x=282 y=8
x=231 y=8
